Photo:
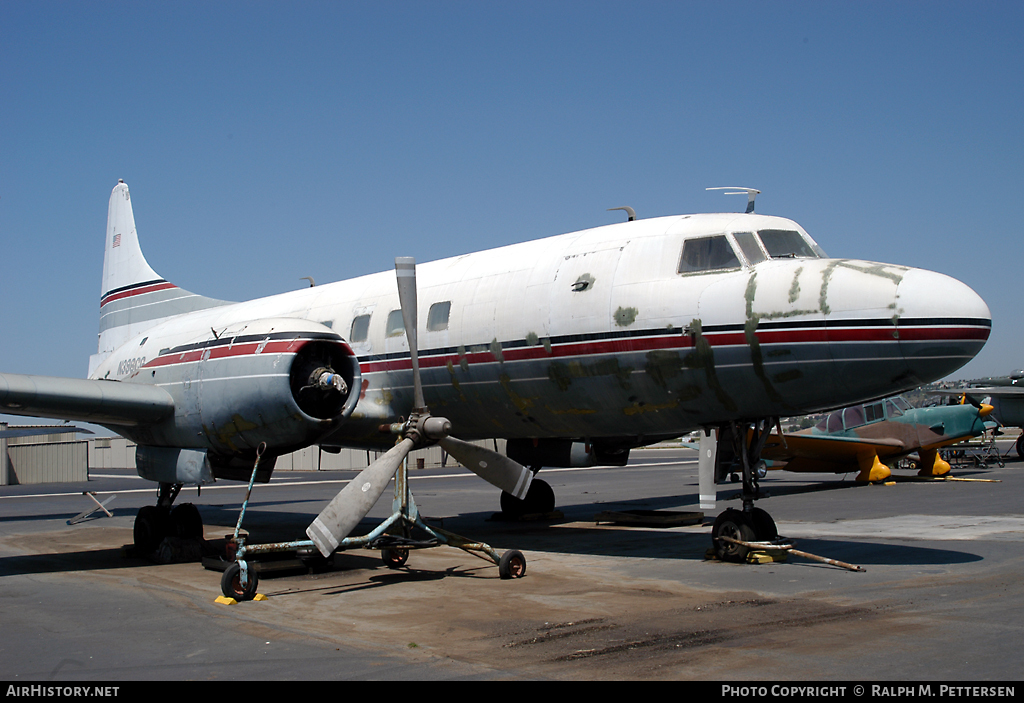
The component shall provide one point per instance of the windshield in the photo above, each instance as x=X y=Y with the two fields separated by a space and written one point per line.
x=786 y=243
x=707 y=254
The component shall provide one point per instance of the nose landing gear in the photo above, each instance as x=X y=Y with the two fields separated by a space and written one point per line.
x=739 y=452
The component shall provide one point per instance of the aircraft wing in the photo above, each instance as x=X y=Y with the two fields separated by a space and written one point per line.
x=826 y=453
x=981 y=392
x=41 y=431
x=101 y=402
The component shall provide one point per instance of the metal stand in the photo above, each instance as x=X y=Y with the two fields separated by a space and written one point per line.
x=393 y=537
x=99 y=506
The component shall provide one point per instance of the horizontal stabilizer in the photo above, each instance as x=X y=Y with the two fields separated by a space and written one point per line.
x=102 y=402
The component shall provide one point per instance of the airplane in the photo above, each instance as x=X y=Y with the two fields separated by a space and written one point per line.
x=868 y=438
x=1005 y=394
x=574 y=348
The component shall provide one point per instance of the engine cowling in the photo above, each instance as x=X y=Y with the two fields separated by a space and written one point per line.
x=565 y=453
x=284 y=382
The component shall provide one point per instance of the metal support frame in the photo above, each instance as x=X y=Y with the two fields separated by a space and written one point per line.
x=99 y=506
x=403 y=519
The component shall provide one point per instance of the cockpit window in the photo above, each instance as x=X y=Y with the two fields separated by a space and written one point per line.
x=853 y=417
x=902 y=403
x=892 y=409
x=749 y=246
x=707 y=254
x=873 y=412
x=786 y=243
x=833 y=422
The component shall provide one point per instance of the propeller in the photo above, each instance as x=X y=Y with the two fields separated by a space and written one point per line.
x=359 y=495
x=983 y=408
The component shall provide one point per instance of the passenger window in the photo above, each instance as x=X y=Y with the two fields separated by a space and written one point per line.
x=395 y=326
x=786 y=243
x=707 y=254
x=437 y=316
x=360 y=329
x=894 y=410
x=873 y=412
x=749 y=246
x=835 y=422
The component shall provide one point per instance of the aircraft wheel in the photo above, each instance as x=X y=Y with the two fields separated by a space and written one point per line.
x=394 y=558
x=764 y=527
x=149 y=529
x=231 y=583
x=186 y=522
x=1020 y=446
x=512 y=565
x=732 y=523
x=539 y=499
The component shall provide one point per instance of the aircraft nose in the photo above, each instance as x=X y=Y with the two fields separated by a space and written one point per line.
x=942 y=323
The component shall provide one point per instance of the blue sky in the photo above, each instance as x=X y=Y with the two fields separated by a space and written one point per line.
x=264 y=142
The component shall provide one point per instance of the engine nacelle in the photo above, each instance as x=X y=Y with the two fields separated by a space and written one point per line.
x=280 y=381
x=564 y=453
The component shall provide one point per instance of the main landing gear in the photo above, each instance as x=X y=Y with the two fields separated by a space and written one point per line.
x=154 y=523
x=539 y=500
x=739 y=451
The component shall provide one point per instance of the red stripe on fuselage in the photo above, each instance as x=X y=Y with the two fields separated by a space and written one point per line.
x=135 y=291
x=285 y=346
x=725 y=339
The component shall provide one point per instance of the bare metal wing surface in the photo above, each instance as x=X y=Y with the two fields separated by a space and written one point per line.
x=42 y=431
x=100 y=402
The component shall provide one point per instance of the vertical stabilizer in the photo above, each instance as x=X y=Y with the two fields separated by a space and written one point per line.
x=133 y=297
x=124 y=266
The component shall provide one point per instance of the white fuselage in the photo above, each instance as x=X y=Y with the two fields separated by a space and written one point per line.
x=597 y=334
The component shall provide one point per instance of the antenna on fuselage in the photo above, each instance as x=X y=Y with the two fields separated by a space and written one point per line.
x=738 y=190
x=629 y=211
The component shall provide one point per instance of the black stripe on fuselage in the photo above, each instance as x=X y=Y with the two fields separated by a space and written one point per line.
x=248 y=339
x=709 y=329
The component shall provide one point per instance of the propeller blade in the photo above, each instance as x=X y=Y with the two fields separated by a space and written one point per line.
x=405 y=269
x=497 y=469
x=355 y=500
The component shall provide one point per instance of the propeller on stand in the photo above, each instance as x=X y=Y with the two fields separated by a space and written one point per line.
x=355 y=500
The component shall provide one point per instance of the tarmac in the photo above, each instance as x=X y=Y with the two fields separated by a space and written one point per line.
x=940 y=597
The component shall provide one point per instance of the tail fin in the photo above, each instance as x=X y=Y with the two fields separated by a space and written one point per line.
x=133 y=296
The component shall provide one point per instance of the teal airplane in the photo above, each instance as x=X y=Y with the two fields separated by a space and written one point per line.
x=868 y=438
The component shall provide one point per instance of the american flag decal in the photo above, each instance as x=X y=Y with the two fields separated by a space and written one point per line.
x=117 y=240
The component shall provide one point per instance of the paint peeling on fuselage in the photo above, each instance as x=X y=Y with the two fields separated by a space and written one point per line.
x=562 y=374
x=624 y=317
x=702 y=357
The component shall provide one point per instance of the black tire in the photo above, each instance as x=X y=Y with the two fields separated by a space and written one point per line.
x=732 y=523
x=540 y=499
x=512 y=565
x=394 y=558
x=1020 y=446
x=186 y=522
x=231 y=583
x=764 y=527
x=149 y=529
